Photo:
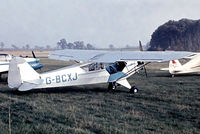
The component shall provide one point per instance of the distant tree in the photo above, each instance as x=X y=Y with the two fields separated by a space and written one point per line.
x=89 y=46
x=70 y=46
x=79 y=45
x=58 y=45
x=111 y=46
x=62 y=44
x=127 y=46
x=48 y=47
x=27 y=46
x=36 y=47
x=41 y=48
x=2 y=45
x=14 y=47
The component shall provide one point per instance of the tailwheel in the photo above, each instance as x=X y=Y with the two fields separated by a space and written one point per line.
x=112 y=86
x=134 y=89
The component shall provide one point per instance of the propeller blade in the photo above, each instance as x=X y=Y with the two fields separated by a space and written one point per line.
x=33 y=54
x=140 y=46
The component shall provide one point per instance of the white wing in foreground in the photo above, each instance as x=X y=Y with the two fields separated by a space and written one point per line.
x=112 y=56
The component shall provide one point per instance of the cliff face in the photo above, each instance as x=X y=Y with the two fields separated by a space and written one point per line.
x=182 y=35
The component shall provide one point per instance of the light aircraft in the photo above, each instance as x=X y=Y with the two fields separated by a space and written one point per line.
x=6 y=58
x=190 y=67
x=95 y=66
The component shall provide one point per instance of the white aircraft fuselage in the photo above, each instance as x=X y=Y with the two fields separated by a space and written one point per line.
x=190 y=67
x=73 y=76
x=80 y=74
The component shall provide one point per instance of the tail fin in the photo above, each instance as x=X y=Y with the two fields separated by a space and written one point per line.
x=173 y=64
x=21 y=75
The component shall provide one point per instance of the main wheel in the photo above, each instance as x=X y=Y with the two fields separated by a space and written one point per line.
x=112 y=86
x=134 y=89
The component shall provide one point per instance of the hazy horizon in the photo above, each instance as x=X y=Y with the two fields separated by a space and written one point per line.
x=100 y=23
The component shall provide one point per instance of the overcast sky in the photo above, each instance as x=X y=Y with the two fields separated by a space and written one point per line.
x=99 y=22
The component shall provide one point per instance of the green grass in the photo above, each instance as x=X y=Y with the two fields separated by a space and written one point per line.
x=162 y=105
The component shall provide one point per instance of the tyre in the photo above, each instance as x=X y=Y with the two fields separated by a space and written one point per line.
x=134 y=89
x=112 y=86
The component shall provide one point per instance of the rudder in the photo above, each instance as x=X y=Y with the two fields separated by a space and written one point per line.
x=21 y=75
x=174 y=64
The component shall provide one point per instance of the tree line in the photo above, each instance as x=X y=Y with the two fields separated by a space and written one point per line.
x=63 y=44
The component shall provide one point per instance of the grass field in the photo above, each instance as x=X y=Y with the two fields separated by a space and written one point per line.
x=162 y=105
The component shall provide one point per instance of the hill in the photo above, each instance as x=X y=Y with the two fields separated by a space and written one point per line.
x=182 y=35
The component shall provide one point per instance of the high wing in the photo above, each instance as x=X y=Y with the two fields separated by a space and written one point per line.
x=112 y=56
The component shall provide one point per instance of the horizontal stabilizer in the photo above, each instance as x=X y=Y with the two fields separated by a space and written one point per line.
x=28 y=85
x=35 y=82
x=164 y=69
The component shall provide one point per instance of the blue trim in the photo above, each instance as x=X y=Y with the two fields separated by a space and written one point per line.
x=35 y=65
x=116 y=76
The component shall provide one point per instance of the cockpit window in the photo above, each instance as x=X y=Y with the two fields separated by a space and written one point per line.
x=96 y=66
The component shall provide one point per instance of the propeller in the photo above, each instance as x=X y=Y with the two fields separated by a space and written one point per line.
x=141 y=49
x=37 y=60
x=140 y=46
x=145 y=71
x=33 y=54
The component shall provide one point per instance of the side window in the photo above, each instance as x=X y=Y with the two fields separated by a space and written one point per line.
x=115 y=67
x=111 y=69
x=95 y=66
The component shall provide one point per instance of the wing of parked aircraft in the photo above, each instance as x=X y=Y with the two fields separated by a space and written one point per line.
x=6 y=58
x=112 y=56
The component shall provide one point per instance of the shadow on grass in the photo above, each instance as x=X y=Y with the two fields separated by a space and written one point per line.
x=60 y=90
x=178 y=75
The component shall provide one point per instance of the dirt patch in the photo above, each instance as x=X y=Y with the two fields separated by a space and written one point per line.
x=28 y=53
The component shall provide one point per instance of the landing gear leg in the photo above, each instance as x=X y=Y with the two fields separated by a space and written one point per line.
x=134 y=89
x=112 y=86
